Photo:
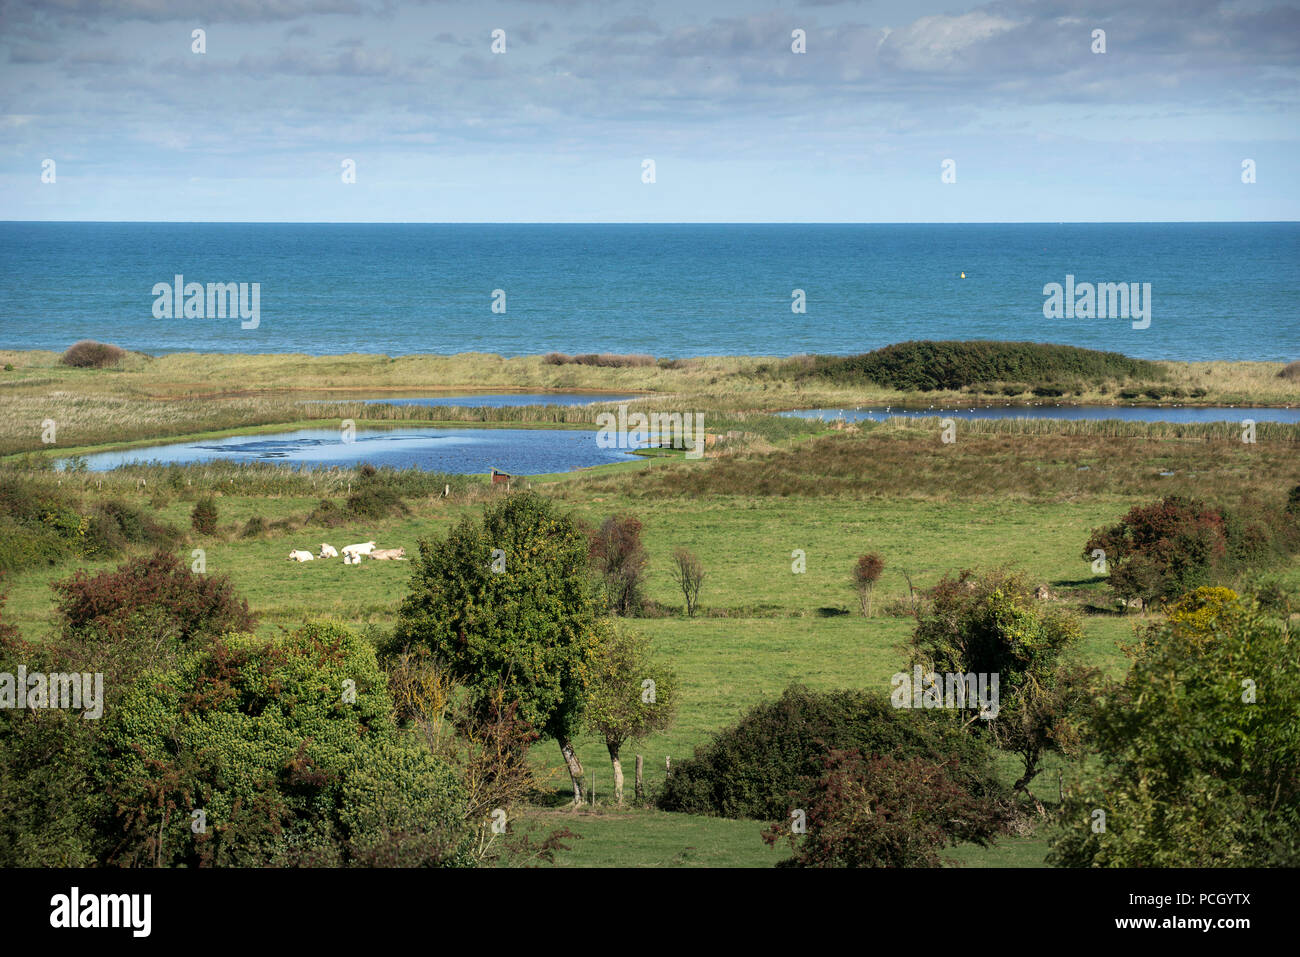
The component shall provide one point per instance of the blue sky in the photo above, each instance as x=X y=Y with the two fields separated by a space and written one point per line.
x=740 y=128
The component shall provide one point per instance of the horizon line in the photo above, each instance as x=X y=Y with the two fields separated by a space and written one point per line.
x=755 y=222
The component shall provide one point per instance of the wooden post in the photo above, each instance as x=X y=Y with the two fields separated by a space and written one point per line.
x=640 y=781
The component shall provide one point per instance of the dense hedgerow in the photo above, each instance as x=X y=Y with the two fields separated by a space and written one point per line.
x=927 y=365
x=287 y=768
x=42 y=524
x=1171 y=546
x=752 y=768
x=88 y=354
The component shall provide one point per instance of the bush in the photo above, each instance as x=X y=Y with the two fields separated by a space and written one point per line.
x=604 y=360
x=115 y=525
x=375 y=500
x=257 y=734
x=866 y=572
x=884 y=811
x=751 y=769
x=1164 y=549
x=255 y=526
x=1291 y=371
x=928 y=365
x=204 y=517
x=179 y=604
x=1198 y=747
x=88 y=354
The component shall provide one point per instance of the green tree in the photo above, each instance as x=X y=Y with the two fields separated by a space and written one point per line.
x=990 y=624
x=507 y=602
x=1198 y=747
x=630 y=696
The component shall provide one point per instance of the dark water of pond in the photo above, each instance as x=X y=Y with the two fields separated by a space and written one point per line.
x=461 y=451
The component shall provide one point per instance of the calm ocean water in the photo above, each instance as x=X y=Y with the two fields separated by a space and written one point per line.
x=1219 y=291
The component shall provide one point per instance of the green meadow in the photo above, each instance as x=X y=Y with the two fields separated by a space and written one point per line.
x=777 y=517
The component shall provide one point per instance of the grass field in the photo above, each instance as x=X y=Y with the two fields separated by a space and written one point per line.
x=1022 y=497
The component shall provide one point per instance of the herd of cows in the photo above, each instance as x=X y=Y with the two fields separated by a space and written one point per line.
x=351 y=553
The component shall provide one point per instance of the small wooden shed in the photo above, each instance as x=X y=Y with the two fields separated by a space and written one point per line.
x=499 y=476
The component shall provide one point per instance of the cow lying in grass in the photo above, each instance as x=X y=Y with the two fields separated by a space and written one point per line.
x=365 y=548
x=298 y=555
x=389 y=554
x=328 y=551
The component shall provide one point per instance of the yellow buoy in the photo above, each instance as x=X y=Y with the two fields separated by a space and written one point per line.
x=963 y=275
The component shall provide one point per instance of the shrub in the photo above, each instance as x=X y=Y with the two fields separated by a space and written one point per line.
x=256 y=733
x=1162 y=550
x=179 y=604
x=1195 y=768
x=866 y=572
x=255 y=526
x=375 y=500
x=114 y=525
x=603 y=360
x=750 y=769
x=928 y=365
x=619 y=558
x=884 y=811
x=1291 y=371
x=203 y=519
x=88 y=354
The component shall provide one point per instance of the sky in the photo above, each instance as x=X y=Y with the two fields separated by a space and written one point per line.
x=1010 y=98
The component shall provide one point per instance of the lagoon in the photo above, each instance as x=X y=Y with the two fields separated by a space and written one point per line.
x=458 y=451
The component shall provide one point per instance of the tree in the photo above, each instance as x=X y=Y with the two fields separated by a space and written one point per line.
x=990 y=625
x=866 y=572
x=1198 y=747
x=619 y=558
x=507 y=603
x=631 y=695
x=883 y=811
x=1161 y=550
x=688 y=572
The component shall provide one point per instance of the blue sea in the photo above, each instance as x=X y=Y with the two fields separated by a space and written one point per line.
x=1218 y=290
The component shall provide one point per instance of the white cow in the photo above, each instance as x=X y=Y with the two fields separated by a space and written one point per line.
x=389 y=554
x=365 y=548
x=328 y=551
x=298 y=555
x=351 y=558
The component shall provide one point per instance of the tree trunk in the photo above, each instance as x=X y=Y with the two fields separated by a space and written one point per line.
x=640 y=781
x=618 y=776
x=575 y=768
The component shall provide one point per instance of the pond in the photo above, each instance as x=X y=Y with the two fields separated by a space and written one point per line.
x=1075 y=412
x=461 y=451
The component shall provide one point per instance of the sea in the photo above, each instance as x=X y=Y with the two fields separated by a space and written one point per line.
x=1227 y=291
